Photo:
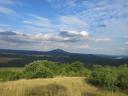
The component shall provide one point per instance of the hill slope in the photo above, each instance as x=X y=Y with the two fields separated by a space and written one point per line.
x=19 y=58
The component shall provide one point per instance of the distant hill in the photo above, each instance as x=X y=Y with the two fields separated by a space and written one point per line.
x=58 y=51
x=26 y=52
x=19 y=58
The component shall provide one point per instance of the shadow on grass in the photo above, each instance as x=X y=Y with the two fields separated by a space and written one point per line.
x=90 y=94
x=48 y=90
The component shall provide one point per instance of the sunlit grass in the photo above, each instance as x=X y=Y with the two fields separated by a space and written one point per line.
x=69 y=86
x=11 y=68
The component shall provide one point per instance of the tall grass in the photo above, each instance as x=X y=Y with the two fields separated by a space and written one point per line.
x=20 y=69
x=59 y=86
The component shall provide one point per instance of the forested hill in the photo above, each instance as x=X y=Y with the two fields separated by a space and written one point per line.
x=19 y=58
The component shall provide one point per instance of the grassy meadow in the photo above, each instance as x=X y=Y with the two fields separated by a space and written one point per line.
x=11 y=69
x=58 y=86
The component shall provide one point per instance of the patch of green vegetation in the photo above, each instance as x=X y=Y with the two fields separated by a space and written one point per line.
x=10 y=75
x=112 y=78
x=11 y=69
x=43 y=69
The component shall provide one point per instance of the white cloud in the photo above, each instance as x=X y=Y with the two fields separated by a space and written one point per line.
x=52 y=38
x=6 y=10
x=126 y=43
x=47 y=37
x=4 y=27
x=84 y=46
x=16 y=37
x=62 y=3
x=72 y=33
x=63 y=22
x=7 y=1
x=123 y=48
x=71 y=3
x=39 y=21
x=101 y=39
x=73 y=22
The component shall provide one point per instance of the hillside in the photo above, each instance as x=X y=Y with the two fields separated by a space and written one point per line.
x=19 y=58
x=59 y=86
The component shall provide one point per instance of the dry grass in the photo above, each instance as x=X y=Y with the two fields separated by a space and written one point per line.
x=59 y=86
x=12 y=69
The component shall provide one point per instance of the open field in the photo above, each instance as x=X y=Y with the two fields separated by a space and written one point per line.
x=6 y=59
x=59 y=86
x=11 y=68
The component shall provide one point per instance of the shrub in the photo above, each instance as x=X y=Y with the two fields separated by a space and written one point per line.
x=43 y=69
x=10 y=75
x=44 y=73
x=74 y=69
x=110 y=77
x=123 y=77
x=105 y=76
x=39 y=69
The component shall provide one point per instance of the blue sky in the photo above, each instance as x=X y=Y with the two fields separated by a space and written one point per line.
x=83 y=26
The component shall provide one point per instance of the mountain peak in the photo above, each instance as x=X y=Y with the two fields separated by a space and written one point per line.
x=58 y=51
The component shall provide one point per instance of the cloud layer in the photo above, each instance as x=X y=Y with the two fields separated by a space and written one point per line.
x=86 y=26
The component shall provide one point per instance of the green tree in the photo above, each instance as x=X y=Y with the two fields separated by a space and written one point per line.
x=40 y=69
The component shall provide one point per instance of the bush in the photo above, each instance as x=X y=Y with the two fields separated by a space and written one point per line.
x=79 y=69
x=10 y=75
x=39 y=69
x=105 y=76
x=44 y=69
x=74 y=69
x=110 y=77
x=123 y=77
x=44 y=73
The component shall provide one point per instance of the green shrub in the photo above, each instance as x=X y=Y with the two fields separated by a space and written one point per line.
x=123 y=77
x=110 y=77
x=74 y=69
x=105 y=76
x=43 y=69
x=39 y=69
x=44 y=73
x=10 y=75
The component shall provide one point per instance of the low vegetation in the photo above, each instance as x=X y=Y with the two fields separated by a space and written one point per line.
x=45 y=69
x=50 y=69
x=58 y=86
x=10 y=75
x=114 y=79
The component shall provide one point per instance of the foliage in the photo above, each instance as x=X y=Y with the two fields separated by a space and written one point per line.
x=123 y=77
x=46 y=69
x=110 y=77
x=74 y=69
x=39 y=69
x=10 y=75
x=43 y=69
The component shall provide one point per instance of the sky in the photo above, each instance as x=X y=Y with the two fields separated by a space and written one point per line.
x=80 y=26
